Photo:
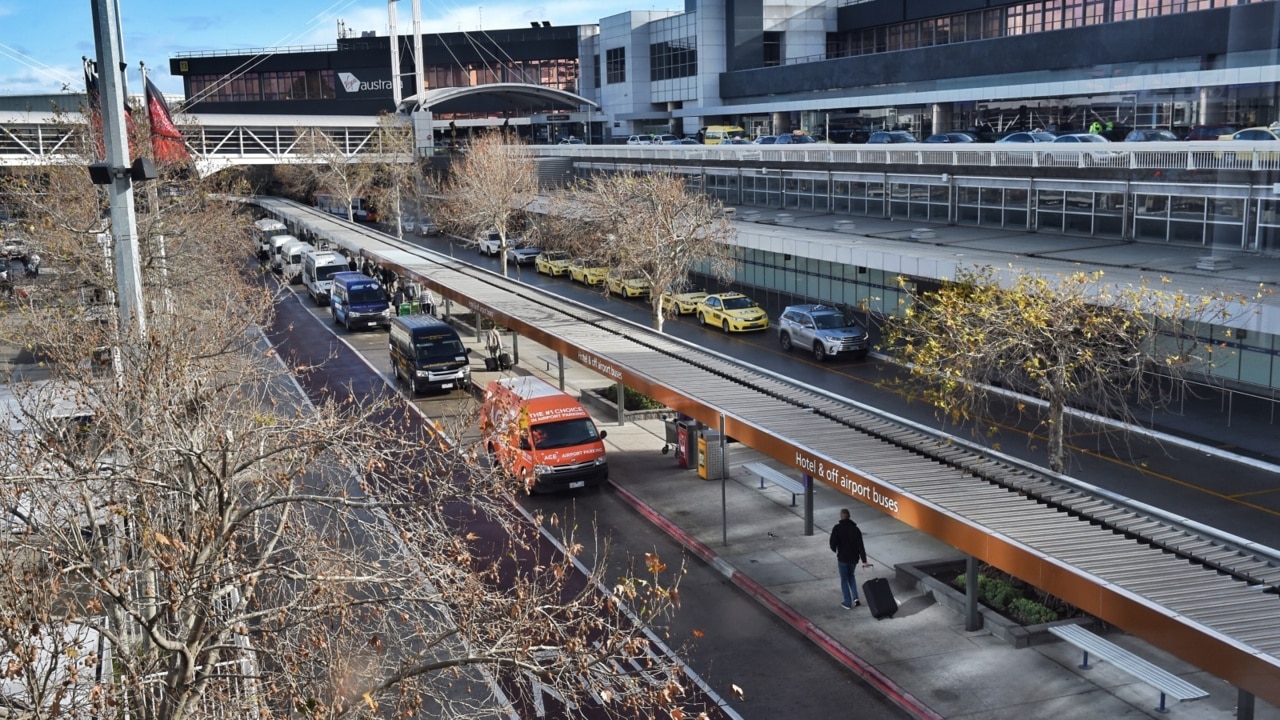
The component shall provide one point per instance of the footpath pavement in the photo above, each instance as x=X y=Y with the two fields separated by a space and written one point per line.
x=923 y=656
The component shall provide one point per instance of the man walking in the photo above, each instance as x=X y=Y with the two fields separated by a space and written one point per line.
x=846 y=543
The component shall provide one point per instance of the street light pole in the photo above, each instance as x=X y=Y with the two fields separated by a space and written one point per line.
x=115 y=136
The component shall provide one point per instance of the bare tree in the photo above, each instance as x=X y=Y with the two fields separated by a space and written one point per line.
x=646 y=225
x=1071 y=340
x=397 y=178
x=240 y=547
x=490 y=187
x=329 y=164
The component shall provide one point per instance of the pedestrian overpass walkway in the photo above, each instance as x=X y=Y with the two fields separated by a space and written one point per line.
x=216 y=141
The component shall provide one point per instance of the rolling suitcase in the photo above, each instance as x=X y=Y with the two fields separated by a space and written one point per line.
x=879 y=597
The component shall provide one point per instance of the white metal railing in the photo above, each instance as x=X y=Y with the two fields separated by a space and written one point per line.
x=1202 y=155
x=262 y=140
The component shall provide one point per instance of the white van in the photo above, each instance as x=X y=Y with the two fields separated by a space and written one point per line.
x=318 y=268
x=291 y=260
x=274 y=245
x=264 y=230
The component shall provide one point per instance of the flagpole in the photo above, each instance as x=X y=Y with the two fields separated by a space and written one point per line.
x=115 y=133
x=153 y=195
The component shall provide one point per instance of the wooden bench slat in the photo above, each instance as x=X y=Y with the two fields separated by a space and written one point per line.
x=1162 y=680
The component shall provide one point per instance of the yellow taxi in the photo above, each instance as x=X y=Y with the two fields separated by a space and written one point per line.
x=587 y=272
x=1269 y=134
x=627 y=287
x=552 y=262
x=684 y=303
x=732 y=312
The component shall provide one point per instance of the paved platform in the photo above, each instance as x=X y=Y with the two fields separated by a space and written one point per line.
x=923 y=655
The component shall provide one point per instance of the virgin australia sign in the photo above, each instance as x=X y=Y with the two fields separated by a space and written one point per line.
x=353 y=84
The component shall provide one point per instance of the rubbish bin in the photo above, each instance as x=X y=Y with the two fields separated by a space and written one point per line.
x=710 y=456
x=686 y=429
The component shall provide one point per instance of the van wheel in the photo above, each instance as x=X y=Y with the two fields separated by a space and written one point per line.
x=334 y=314
x=785 y=340
x=819 y=352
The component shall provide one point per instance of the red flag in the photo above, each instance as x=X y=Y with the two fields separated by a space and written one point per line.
x=166 y=139
x=93 y=98
x=94 y=110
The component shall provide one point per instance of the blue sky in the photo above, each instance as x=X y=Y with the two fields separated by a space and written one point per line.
x=42 y=41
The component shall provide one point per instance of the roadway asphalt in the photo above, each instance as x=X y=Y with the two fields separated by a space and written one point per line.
x=922 y=657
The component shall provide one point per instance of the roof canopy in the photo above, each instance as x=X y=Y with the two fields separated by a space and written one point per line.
x=518 y=98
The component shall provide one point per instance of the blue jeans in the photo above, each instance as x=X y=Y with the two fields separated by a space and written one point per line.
x=848 y=585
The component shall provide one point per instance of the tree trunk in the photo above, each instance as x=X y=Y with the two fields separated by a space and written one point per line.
x=1056 y=433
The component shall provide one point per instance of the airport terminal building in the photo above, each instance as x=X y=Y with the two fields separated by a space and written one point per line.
x=828 y=68
x=825 y=67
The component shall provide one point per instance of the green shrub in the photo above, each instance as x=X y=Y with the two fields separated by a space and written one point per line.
x=632 y=399
x=1030 y=612
x=636 y=400
x=1006 y=598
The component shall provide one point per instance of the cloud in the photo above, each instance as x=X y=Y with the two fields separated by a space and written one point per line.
x=197 y=23
x=26 y=81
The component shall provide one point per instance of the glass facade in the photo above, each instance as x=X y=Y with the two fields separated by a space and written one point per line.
x=256 y=86
x=1169 y=213
x=615 y=63
x=1020 y=19
x=558 y=73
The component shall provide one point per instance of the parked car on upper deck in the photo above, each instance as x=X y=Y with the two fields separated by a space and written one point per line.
x=1028 y=136
x=639 y=140
x=886 y=137
x=766 y=140
x=1210 y=132
x=665 y=139
x=1150 y=135
x=1091 y=155
x=795 y=138
x=732 y=312
x=951 y=137
x=1268 y=134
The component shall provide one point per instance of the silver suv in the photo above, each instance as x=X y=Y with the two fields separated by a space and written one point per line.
x=824 y=330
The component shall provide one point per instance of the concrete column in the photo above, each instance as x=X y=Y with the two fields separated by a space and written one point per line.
x=1244 y=705
x=780 y=122
x=972 y=618
x=941 y=119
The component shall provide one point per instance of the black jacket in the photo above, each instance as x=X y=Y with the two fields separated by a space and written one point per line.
x=846 y=541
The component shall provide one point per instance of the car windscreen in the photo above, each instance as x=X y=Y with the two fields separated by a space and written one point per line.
x=366 y=294
x=441 y=347
x=830 y=321
x=563 y=433
x=738 y=303
x=326 y=272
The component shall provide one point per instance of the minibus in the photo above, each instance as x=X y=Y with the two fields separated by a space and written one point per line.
x=428 y=354
x=357 y=300
x=318 y=269
x=542 y=435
